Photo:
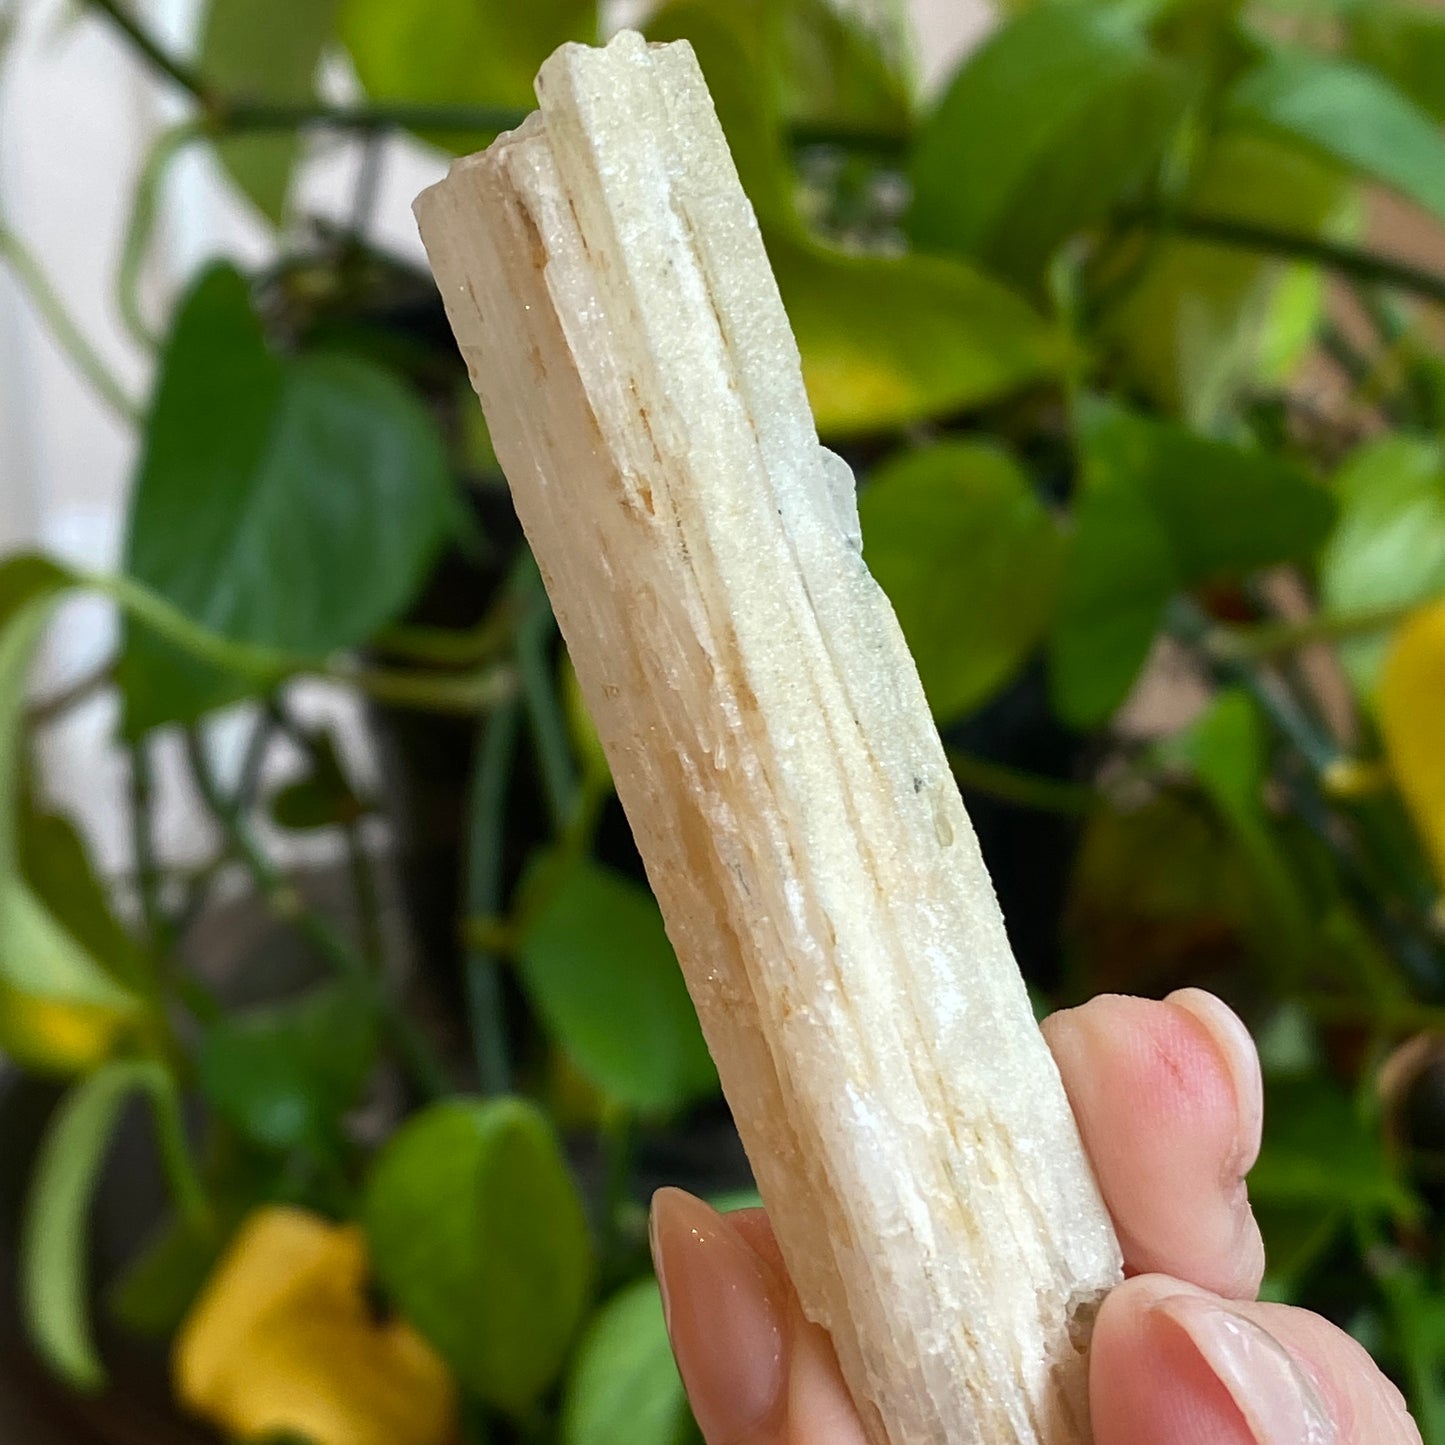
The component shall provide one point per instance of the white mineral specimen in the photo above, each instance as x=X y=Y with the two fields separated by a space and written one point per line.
x=607 y=283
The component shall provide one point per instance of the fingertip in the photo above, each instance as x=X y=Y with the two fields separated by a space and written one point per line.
x=1148 y=1382
x=1230 y=1036
x=726 y=1317
x=1170 y=1130
x=819 y=1410
x=1172 y=1364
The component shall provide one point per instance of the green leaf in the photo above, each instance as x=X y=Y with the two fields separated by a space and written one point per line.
x=834 y=70
x=284 y=1076
x=264 y=50
x=323 y=798
x=816 y=63
x=970 y=559
x=1318 y=1149
x=1159 y=894
x=1417 y=1310
x=1163 y=508
x=1119 y=576
x=732 y=45
x=459 y=52
x=596 y=963
x=53 y=1249
x=1201 y=322
x=1352 y=116
x=22 y=625
x=57 y=867
x=27 y=577
x=39 y=958
x=1048 y=123
x=1226 y=749
x=1388 y=547
x=624 y=1388
x=1227 y=509
x=478 y=1235
x=887 y=341
x=1406 y=44
x=1295 y=1236
x=734 y=1200
x=291 y=503
x=59 y=1008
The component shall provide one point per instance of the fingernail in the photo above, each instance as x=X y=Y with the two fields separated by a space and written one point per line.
x=1241 y=1059
x=723 y=1316
x=1280 y=1404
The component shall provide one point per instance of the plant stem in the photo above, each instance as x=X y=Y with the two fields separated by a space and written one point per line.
x=486 y=826
x=1351 y=261
x=1269 y=639
x=266 y=668
x=237 y=117
x=1028 y=790
x=452 y=647
x=142 y=833
x=253 y=762
x=155 y=54
x=233 y=116
x=1188 y=622
x=57 y=704
x=145 y=205
x=66 y=334
x=368 y=185
x=179 y=1167
x=364 y=891
x=286 y=903
x=1357 y=367
x=1403 y=1015
x=1366 y=880
x=467 y=693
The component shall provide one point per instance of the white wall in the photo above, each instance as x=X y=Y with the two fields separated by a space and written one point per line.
x=77 y=116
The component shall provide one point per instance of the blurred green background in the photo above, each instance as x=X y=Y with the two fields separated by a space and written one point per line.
x=1133 y=334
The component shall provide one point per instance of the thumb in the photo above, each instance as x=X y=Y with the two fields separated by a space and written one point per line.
x=1175 y=1365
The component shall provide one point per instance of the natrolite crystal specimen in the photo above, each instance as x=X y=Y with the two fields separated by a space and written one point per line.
x=607 y=283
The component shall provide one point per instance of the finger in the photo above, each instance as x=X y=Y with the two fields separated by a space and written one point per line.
x=1170 y=1106
x=756 y=1372
x=727 y=1316
x=1175 y=1365
x=819 y=1408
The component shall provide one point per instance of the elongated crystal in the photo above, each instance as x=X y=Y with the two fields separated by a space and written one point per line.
x=608 y=285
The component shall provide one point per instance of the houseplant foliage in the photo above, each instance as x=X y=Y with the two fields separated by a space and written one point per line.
x=1103 y=330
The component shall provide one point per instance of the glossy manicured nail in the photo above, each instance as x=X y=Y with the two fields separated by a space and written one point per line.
x=724 y=1317
x=1236 y=1048
x=1279 y=1403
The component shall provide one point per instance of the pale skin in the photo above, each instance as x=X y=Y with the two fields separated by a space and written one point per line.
x=1170 y=1106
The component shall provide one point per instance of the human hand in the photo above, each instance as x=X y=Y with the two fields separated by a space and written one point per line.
x=1170 y=1105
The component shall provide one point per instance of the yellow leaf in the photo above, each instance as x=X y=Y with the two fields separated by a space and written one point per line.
x=284 y=1339
x=1412 y=719
x=56 y=1036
